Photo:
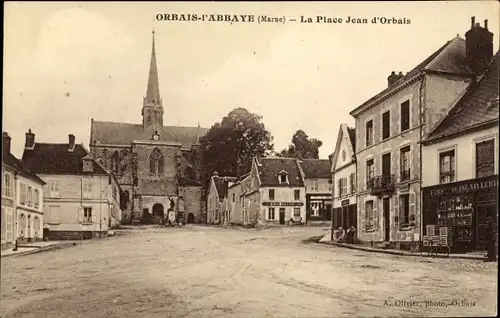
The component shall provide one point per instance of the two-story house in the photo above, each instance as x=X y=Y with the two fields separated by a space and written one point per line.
x=217 y=204
x=272 y=193
x=81 y=198
x=460 y=165
x=22 y=200
x=343 y=172
x=390 y=126
x=318 y=186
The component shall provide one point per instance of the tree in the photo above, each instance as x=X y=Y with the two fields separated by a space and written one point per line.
x=302 y=147
x=229 y=146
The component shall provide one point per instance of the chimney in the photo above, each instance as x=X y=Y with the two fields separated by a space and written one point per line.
x=478 y=47
x=6 y=143
x=71 y=144
x=30 y=140
x=393 y=78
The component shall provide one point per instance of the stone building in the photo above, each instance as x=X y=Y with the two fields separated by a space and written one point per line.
x=460 y=165
x=158 y=166
x=81 y=199
x=217 y=203
x=344 y=179
x=318 y=186
x=22 y=200
x=390 y=126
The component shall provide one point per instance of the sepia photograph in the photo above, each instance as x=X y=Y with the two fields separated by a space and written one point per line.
x=250 y=159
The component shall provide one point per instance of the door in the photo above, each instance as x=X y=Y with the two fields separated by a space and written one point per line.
x=282 y=215
x=387 y=219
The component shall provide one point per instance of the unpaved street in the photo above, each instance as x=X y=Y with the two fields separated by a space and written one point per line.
x=200 y=271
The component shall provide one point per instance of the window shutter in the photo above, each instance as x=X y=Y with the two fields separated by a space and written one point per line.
x=375 y=214
x=396 y=212
x=339 y=187
x=94 y=218
x=412 y=209
x=362 y=219
x=80 y=215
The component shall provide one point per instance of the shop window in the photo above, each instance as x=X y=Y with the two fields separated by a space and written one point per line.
x=270 y=214
x=404 y=165
x=386 y=125
x=485 y=158
x=369 y=215
x=369 y=133
x=405 y=115
x=447 y=166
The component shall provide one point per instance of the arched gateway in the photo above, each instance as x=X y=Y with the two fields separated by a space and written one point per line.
x=158 y=213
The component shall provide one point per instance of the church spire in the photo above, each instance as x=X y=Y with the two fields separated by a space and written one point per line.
x=153 y=90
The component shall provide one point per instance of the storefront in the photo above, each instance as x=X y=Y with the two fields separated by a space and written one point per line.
x=345 y=216
x=319 y=207
x=464 y=206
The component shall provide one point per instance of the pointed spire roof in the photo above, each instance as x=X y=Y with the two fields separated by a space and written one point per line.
x=153 y=90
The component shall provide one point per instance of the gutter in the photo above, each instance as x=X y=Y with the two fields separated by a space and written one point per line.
x=459 y=132
x=421 y=103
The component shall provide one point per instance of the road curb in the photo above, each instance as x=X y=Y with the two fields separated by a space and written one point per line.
x=42 y=249
x=400 y=253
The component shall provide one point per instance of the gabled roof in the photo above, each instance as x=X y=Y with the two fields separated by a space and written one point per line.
x=316 y=168
x=478 y=106
x=352 y=137
x=16 y=164
x=221 y=185
x=449 y=58
x=269 y=169
x=351 y=134
x=48 y=158
x=124 y=133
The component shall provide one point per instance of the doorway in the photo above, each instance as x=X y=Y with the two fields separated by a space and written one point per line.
x=190 y=218
x=158 y=213
x=282 y=215
x=387 y=219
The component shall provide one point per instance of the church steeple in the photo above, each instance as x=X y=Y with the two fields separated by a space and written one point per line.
x=152 y=110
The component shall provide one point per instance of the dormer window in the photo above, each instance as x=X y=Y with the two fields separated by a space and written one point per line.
x=283 y=177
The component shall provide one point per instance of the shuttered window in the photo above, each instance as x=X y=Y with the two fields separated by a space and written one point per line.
x=369 y=215
x=485 y=158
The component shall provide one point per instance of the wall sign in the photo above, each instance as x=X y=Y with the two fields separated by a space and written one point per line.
x=282 y=203
x=470 y=186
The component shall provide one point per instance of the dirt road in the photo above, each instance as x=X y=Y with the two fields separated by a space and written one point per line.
x=198 y=271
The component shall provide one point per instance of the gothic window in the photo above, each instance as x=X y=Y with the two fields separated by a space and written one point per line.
x=123 y=160
x=156 y=163
x=114 y=162
x=105 y=158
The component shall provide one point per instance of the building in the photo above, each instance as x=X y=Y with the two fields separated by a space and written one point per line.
x=235 y=200
x=343 y=172
x=272 y=193
x=81 y=198
x=460 y=165
x=217 y=203
x=390 y=126
x=22 y=200
x=318 y=187
x=157 y=166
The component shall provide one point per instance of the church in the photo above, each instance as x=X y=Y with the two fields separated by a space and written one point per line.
x=158 y=167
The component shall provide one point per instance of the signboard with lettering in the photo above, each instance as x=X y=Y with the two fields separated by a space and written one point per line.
x=463 y=187
x=282 y=203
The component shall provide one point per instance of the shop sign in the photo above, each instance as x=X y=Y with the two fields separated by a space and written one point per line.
x=282 y=203
x=464 y=187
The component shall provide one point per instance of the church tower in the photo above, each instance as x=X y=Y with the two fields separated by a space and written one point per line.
x=152 y=108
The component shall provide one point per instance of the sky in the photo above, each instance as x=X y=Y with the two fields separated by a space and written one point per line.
x=65 y=63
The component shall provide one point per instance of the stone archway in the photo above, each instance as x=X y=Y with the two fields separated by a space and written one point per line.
x=158 y=213
x=190 y=218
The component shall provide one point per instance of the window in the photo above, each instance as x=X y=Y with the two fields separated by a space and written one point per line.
x=233 y=197
x=485 y=158
x=404 y=210
x=270 y=214
x=296 y=211
x=352 y=180
x=330 y=184
x=7 y=186
x=87 y=215
x=114 y=162
x=369 y=214
x=405 y=115
x=369 y=133
x=37 y=198
x=87 y=190
x=271 y=194
x=30 y=196
x=54 y=189
x=343 y=186
x=296 y=195
x=370 y=170
x=283 y=177
x=447 y=166
x=404 y=165
x=9 y=223
x=315 y=185
x=386 y=125
x=156 y=163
